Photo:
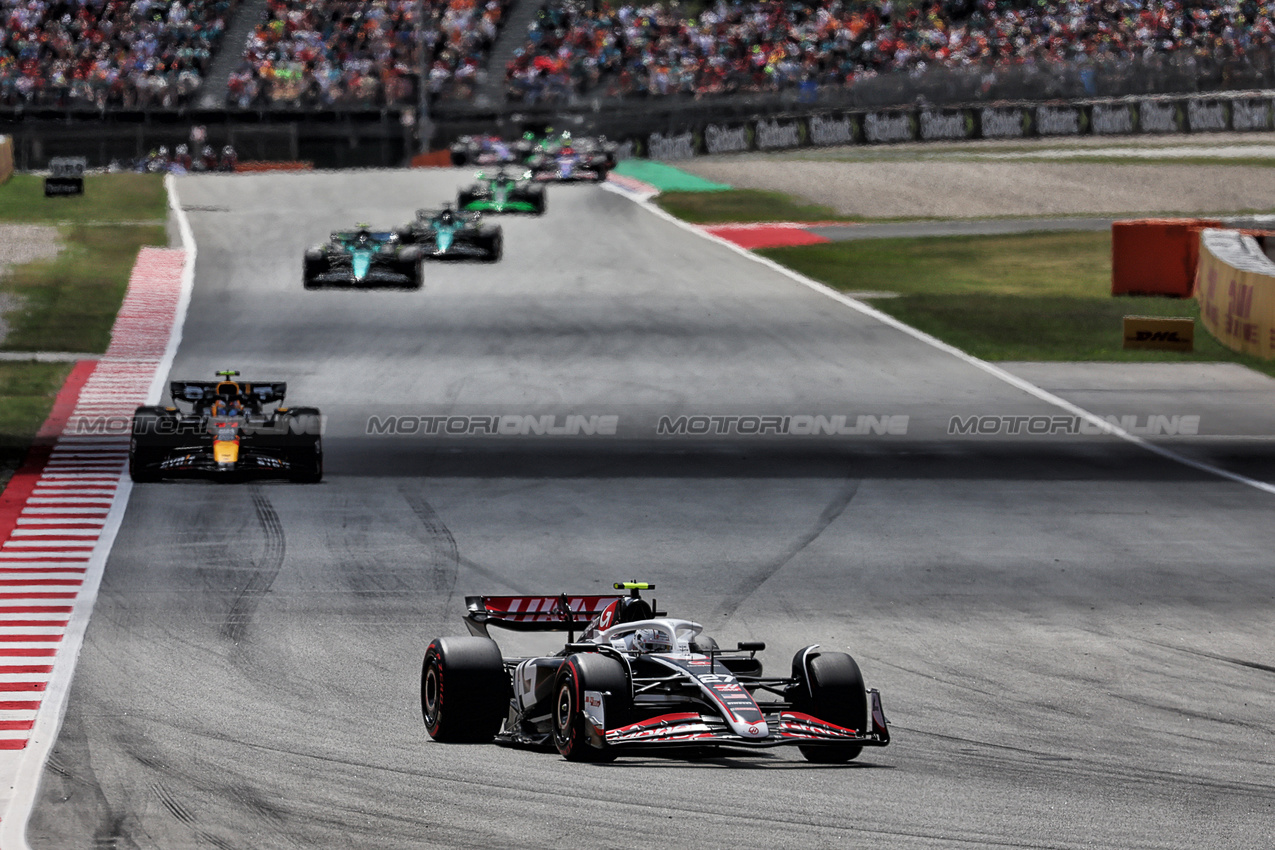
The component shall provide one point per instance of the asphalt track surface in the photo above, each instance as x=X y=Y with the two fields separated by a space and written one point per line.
x=1071 y=635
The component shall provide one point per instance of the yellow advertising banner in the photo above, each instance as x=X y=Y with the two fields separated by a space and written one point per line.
x=1235 y=286
x=6 y=157
x=1157 y=332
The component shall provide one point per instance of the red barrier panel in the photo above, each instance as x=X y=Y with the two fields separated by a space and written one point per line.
x=433 y=159
x=1156 y=256
x=267 y=165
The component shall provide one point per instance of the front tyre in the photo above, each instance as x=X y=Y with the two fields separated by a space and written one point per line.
x=464 y=689
x=831 y=688
x=572 y=731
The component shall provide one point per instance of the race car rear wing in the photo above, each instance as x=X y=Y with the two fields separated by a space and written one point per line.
x=533 y=613
x=194 y=392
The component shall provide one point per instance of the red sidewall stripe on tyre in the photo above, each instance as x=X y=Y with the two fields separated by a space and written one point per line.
x=58 y=516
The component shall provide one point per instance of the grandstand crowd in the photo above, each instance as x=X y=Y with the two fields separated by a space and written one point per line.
x=156 y=53
x=107 y=53
x=764 y=45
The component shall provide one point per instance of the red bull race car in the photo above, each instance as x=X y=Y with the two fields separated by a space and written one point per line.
x=636 y=680
x=231 y=430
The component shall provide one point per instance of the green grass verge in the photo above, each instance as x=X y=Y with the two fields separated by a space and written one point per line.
x=1036 y=296
x=27 y=391
x=69 y=303
x=107 y=198
x=743 y=205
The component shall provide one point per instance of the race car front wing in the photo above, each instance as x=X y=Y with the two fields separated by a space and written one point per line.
x=788 y=727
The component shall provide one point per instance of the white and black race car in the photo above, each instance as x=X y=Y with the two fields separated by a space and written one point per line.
x=637 y=680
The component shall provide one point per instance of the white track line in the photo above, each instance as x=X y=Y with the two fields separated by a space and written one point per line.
x=995 y=371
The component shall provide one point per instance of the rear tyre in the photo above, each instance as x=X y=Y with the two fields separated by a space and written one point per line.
x=831 y=688
x=496 y=247
x=307 y=466
x=571 y=729
x=540 y=201
x=464 y=199
x=141 y=456
x=464 y=689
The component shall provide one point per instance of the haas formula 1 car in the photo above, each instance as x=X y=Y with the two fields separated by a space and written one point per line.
x=637 y=680
x=228 y=432
x=363 y=258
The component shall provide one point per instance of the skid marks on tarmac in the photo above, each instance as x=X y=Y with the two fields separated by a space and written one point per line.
x=749 y=584
x=264 y=570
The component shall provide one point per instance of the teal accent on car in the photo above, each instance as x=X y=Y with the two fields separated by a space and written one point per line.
x=361 y=260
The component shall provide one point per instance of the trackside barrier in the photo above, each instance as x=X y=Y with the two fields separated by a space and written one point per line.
x=1155 y=256
x=270 y=165
x=1235 y=285
x=433 y=159
x=6 y=157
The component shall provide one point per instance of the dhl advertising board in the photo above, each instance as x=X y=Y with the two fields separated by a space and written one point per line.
x=1235 y=285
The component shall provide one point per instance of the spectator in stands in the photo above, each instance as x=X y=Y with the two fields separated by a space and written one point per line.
x=107 y=53
x=765 y=45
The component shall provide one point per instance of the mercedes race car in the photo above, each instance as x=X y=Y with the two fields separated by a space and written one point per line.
x=636 y=680
x=448 y=234
x=363 y=258
x=227 y=431
x=503 y=192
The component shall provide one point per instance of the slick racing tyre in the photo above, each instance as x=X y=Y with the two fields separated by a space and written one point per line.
x=465 y=691
x=581 y=673
x=307 y=464
x=831 y=688
x=495 y=245
x=314 y=264
x=141 y=454
x=465 y=198
x=540 y=200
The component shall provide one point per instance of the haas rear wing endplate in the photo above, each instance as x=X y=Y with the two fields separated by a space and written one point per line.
x=533 y=613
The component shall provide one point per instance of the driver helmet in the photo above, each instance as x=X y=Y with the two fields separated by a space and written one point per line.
x=447 y=216
x=363 y=237
x=650 y=640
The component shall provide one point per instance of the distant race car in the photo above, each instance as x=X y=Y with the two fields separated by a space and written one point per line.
x=636 y=680
x=448 y=234
x=570 y=164
x=503 y=192
x=226 y=432
x=551 y=144
x=484 y=150
x=363 y=258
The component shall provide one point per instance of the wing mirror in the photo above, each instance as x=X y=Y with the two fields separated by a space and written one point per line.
x=750 y=645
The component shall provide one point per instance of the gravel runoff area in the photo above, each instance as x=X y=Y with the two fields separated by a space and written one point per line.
x=23 y=243
x=875 y=183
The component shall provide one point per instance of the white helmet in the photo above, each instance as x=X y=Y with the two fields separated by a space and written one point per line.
x=651 y=640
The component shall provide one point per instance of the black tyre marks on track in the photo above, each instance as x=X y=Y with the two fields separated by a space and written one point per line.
x=750 y=583
x=264 y=569
x=440 y=556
